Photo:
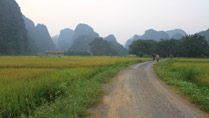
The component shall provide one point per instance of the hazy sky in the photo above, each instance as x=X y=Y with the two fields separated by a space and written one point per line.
x=123 y=18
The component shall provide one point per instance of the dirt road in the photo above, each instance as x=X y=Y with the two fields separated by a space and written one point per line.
x=138 y=93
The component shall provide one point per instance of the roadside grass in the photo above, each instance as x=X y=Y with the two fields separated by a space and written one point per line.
x=189 y=76
x=37 y=89
x=81 y=95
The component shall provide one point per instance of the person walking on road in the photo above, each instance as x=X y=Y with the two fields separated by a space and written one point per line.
x=153 y=56
x=157 y=57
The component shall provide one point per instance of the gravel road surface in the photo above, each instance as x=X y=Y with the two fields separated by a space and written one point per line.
x=137 y=92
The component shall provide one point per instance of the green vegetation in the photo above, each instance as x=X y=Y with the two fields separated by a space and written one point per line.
x=189 y=76
x=142 y=47
x=188 y=46
x=121 y=51
x=101 y=47
x=61 y=87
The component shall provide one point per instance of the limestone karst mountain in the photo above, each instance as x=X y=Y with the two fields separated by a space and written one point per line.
x=155 y=35
x=110 y=38
x=13 y=35
x=131 y=40
x=65 y=39
x=177 y=36
x=174 y=32
x=116 y=46
x=83 y=36
x=38 y=37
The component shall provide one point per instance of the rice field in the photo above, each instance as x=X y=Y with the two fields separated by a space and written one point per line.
x=190 y=76
x=199 y=66
x=59 y=62
x=29 y=85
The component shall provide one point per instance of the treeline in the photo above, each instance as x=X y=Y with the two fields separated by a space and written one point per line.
x=188 y=46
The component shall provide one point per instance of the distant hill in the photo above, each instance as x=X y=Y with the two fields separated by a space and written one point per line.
x=174 y=32
x=44 y=41
x=111 y=38
x=83 y=36
x=82 y=43
x=177 y=36
x=205 y=34
x=84 y=30
x=157 y=35
x=30 y=26
x=13 y=35
x=65 y=40
x=38 y=36
x=120 y=50
x=55 y=39
x=131 y=40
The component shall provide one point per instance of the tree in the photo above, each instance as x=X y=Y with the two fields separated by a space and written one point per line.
x=194 y=46
x=100 y=47
x=142 y=47
x=165 y=48
x=189 y=46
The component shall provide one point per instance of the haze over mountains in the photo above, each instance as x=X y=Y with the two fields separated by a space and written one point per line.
x=38 y=37
x=65 y=39
x=68 y=39
x=19 y=35
x=81 y=37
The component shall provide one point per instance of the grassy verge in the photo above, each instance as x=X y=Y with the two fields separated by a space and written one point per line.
x=81 y=94
x=190 y=80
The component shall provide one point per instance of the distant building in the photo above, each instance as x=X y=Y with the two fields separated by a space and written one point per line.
x=55 y=53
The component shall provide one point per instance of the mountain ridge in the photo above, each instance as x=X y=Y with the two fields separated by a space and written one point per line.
x=39 y=38
x=65 y=39
x=83 y=36
x=152 y=34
